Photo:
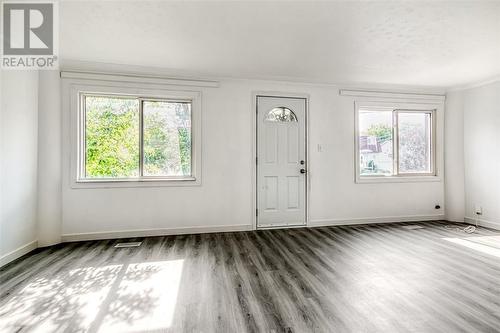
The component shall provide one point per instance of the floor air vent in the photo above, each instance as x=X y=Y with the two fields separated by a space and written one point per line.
x=412 y=227
x=128 y=244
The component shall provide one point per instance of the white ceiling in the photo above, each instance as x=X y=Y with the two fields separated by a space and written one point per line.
x=439 y=44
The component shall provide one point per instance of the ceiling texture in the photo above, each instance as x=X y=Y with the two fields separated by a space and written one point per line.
x=433 y=44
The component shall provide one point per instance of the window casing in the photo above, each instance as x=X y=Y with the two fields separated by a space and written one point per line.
x=74 y=94
x=395 y=142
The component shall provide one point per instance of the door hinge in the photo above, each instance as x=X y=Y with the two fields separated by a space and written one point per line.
x=256 y=160
x=256 y=212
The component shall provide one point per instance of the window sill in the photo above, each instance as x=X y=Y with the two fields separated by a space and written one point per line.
x=132 y=183
x=397 y=179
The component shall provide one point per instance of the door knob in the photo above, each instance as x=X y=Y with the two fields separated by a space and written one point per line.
x=303 y=171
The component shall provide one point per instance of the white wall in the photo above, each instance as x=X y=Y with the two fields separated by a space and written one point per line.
x=454 y=157
x=224 y=200
x=49 y=159
x=18 y=163
x=482 y=152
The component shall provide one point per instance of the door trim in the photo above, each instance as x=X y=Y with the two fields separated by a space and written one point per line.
x=253 y=113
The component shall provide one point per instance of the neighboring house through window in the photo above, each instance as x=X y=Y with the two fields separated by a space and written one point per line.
x=394 y=141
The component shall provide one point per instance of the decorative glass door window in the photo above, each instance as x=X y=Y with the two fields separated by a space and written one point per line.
x=281 y=114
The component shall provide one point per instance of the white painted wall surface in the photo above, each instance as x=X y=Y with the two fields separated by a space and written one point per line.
x=482 y=153
x=49 y=159
x=224 y=200
x=454 y=157
x=18 y=163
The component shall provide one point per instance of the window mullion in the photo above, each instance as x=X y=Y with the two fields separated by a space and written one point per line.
x=141 y=138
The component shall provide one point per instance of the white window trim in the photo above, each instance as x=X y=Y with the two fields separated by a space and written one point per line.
x=436 y=140
x=72 y=91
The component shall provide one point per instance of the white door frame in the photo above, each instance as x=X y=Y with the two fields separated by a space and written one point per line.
x=275 y=94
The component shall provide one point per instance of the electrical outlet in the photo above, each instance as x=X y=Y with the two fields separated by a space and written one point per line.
x=478 y=210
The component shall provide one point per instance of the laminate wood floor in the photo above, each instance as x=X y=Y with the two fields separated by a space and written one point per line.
x=378 y=278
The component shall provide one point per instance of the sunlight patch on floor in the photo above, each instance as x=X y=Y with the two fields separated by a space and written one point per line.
x=484 y=244
x=145 y=299
x=114 y=298
x=68 y=300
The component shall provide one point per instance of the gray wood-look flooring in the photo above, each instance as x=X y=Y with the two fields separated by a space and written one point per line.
x=377 y=278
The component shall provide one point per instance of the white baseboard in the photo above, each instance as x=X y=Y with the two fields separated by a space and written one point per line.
x=17 y=253
x=153 y=232
x=455 y=220
x=384 y=219
x=232 y=228
x=483 y=223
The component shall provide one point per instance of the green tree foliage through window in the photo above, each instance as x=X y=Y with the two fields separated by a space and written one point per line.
x=112 y=137
x=381 y=131
x=112 y=142
x=167 y=138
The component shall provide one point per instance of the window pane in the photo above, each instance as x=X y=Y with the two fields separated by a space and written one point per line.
x=111 y=137
x=414 y=142
x=167 y=138
x=281 y=114
x=375 y=143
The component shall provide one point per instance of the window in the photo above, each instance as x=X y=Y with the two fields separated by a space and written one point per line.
x=395 y=142
x=376 y=143
x=414 y=142
x=166 y=138
x=134 y=138
x=111 y=137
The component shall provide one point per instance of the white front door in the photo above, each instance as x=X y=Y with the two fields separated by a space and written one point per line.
x=281 y=161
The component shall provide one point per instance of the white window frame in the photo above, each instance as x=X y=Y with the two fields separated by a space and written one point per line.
x=396 y=107
x=73 y=92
